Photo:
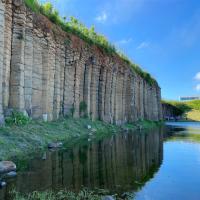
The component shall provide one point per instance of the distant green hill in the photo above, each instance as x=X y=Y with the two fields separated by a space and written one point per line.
x=190 y=109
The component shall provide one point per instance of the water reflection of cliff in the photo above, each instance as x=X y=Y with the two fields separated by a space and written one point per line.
x=118 y=163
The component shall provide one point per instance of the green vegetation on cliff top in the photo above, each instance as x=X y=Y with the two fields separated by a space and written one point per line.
x=89 y=35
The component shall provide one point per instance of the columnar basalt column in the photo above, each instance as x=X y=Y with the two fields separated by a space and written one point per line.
x=141 y=102
x=45 y=79
x=17 y=59
x=7 y=52
x=102 y=81
x=94 y=91
x=136 y=96
x=2 y=20
x=118 y=98
x=62 y=78
x=160 y=114
x=78 y=85
x=28 y=64
x=107 y=114
x=57 y=83
x=132 y=99
x=51 y=78
x=125 y=96
x=127 y=101
x=155 y=104
x=86 y=88
x=82 y=110
x=37 y=71
x=69 y=83
x=113 y=100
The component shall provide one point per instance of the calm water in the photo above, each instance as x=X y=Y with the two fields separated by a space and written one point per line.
x=179 y=173
x=163 y=163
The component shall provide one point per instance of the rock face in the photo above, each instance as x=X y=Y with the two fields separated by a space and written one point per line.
x=7 y=166
x=170 y=111
x=47 y=72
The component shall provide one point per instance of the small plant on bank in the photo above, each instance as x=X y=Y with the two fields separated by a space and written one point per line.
x=17 y=118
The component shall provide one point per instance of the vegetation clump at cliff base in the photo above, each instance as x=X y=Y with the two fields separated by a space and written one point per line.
x=89 y=35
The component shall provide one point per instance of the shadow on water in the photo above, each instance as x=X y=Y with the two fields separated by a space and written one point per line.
x=120 y=163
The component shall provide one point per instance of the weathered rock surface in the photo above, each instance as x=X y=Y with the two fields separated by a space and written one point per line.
x=48 y=73
x=7 y=166
x=169 y=111
x=108 y=198
x=55 y=145
x=2 y=184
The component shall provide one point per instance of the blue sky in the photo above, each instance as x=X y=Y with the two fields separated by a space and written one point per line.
x=162 y=36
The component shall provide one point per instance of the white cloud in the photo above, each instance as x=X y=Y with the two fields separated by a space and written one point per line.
x=197 y=76
x=122 y=10
x=143 y=45
x=102 y=17
x=197 y=87
x=124 y=41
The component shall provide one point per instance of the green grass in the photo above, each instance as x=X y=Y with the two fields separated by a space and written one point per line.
x=84 y=194
x=142 y=124
x=19 y=142
x=193 y=115
x=89 y=35
x=61 y=195
x=34 y=136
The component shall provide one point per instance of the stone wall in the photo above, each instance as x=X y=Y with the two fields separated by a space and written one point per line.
x=47 y=73
x=169 y=111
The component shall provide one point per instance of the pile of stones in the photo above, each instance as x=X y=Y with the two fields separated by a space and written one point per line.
x=7 y=170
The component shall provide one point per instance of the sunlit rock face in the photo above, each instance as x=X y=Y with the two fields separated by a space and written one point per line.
x=47 y=72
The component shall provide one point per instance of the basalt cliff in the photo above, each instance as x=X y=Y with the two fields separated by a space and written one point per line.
x=47 y=73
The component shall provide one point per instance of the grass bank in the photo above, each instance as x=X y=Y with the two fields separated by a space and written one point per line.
x=58 y=196
x=34 y=136
x=193 y=115
x=64 y=194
